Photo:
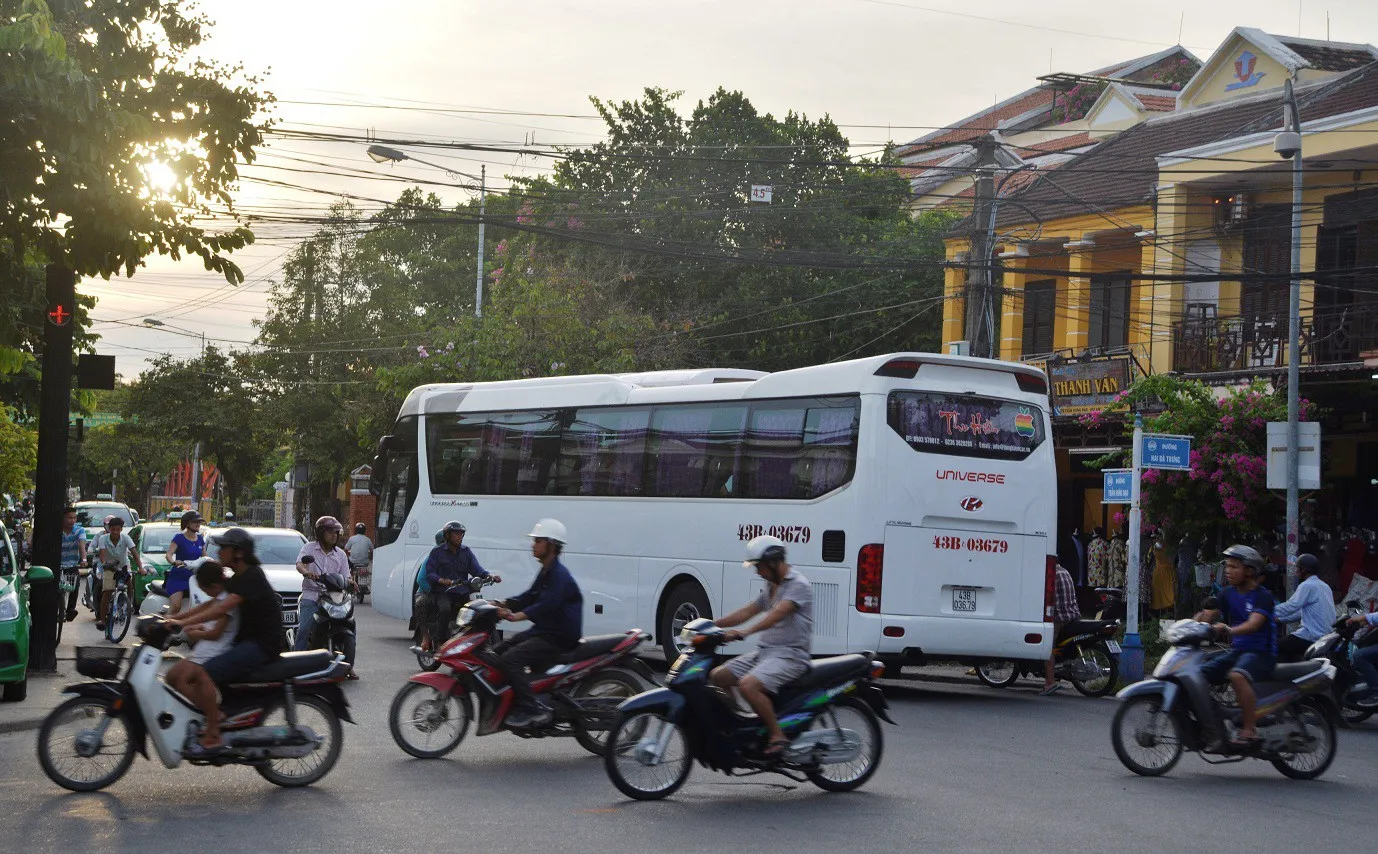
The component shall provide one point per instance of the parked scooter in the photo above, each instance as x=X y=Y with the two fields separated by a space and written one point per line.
x=1085 y=655
x=829 y=714
x=283 y=720
x=431 y=713
x=1176 y=710
x=1337 y=647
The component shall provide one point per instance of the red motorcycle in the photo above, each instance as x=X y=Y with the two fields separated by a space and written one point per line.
x=432 y=712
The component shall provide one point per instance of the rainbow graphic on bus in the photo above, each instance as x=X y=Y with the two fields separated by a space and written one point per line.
x=1024 y=423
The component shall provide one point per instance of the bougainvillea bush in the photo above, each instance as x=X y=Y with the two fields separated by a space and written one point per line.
x=1227 y=485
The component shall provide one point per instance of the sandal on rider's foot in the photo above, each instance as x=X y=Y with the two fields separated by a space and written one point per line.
x=775 y=748
x=201 y=751
x=1050 y=690
x=1243 y=744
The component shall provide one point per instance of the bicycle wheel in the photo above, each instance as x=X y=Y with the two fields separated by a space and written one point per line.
x=117 y=623
x=61 y=615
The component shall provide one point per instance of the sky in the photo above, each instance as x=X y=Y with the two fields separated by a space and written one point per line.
x=883 y=69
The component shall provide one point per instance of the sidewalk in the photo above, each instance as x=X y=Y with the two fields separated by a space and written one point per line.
x=45 y=689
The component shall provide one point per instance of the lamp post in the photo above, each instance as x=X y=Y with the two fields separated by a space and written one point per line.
x=1287 y=144
x=153 y=323
x=385 y=154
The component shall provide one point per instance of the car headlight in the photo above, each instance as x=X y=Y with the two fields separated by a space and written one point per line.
x=9 y=607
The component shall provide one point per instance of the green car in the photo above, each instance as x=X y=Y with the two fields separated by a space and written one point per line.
x=14 y=620
x=152 y=539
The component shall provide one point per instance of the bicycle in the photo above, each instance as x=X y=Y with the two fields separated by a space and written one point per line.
x=67 y=582
x=121 y=607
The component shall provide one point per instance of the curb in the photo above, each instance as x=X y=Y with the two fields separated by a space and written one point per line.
x=21 y=725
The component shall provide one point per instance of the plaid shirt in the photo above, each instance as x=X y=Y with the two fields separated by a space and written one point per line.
x=1065 y=608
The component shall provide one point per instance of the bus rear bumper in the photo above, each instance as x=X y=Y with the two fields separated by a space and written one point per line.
x=948 y=638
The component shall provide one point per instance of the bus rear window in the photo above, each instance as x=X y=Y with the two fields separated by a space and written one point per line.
x=965 y=425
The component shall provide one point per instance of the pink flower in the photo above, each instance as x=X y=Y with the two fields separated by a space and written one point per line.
x=422 y=352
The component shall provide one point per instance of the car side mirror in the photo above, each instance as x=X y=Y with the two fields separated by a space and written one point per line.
x=39 y=574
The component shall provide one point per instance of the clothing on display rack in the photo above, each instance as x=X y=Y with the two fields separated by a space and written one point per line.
x=1098 y=560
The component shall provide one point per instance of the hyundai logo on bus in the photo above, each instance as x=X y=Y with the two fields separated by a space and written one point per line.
x=971 y=504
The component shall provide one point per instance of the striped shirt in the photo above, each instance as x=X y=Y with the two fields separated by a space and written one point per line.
x=1065 y=607
x=1313 y=604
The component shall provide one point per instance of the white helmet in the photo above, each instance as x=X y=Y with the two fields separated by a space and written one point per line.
x=763 y=548
x=549 y=529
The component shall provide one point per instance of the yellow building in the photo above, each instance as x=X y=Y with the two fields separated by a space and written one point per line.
x=1166 y=248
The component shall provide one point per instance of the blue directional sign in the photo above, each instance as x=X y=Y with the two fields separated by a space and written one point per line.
x=1166 y=452
x=1117 y=486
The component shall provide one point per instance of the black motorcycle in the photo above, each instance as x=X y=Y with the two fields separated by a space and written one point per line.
x=1337 y=647
x=1176 y=709
x=1085 y=654
x=334 y=624
x=829 y=714
x=426 y=658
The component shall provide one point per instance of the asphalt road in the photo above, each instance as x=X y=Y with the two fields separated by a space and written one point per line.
x=967 y=769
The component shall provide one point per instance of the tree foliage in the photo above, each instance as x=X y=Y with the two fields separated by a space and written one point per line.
x=18 y=453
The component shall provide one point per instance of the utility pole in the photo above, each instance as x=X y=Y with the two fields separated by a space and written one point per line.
x=196 y=478
x=1132 y=656
x=482 y=208
x=1288 y=145
x=50 y=481
x=980 y=301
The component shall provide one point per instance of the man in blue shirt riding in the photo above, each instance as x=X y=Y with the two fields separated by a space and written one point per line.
x=555 y=608
x=449 y=567
x=1313 y=603
x=1245 y=617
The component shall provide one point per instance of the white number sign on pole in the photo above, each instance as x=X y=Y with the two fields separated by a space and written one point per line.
x=1309 y=455
x=761 y=193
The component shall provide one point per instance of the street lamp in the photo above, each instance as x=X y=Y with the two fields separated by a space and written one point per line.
x=384 y=154
x=177 y=330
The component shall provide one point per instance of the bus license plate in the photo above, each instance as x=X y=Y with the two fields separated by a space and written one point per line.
x=963 y=600
x=1113 y=646
x=289 y=618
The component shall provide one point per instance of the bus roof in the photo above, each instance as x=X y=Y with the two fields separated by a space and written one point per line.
x=871 y=374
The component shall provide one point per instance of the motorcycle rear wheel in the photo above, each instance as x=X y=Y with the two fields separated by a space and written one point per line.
x=57 y=745
x=997 y=674
x=294 y=772
x=1109 y=672
x=612 y=683
x=844 y=777
x=1318 y=726
x=1127 y=734
x=422 y=710
x=636 y=779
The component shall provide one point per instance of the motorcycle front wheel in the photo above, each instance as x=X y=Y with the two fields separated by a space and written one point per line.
x=72 y=753
x=428 y=723
x=997 y=674
x=317 y=714
x=611 y=687
x=1147 y=739
x=1107 y=667
x=1316 y=733
x=117 y=623
x=850 y=714
x=635 y=762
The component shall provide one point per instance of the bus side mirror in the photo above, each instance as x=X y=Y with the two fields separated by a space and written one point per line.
x=379 y=474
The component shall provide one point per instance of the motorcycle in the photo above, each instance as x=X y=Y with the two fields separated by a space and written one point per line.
x=1177 y=710
x=283 y=720
x=1337 y=647
x=1084 y=655
x=829 y=714
x=432 y=712
x=426 y=658
x=156 y=599
x=333 y=627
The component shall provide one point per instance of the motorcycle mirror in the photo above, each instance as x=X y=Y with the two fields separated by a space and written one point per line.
x=1352 y=603
x=308 y=559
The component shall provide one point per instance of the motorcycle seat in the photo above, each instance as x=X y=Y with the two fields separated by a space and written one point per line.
x=157 y=589
x=590 y=647
x=1289 y=672
x=290 y=665
x=829 y=671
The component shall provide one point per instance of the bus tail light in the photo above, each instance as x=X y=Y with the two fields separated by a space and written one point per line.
x=1031 y=384
x=1049 y=580
x=869 y=569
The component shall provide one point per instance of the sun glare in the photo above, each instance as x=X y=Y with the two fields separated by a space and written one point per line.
x=160 y=176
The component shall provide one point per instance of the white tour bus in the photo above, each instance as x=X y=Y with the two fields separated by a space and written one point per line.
x=915 y=491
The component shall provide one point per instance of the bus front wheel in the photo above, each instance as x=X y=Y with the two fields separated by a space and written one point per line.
x=687 y=601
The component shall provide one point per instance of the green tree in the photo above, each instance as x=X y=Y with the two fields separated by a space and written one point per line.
x=138 y=454
x=18 y=453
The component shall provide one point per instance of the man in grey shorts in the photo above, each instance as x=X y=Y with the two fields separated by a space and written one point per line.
x=786 y=633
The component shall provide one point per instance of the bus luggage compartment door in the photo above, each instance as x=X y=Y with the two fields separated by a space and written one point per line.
x=948 y=572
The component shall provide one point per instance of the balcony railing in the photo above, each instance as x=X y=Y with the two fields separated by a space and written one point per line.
x=1328 y=336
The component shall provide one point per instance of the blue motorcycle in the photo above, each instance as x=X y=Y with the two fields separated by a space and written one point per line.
x=830 y=714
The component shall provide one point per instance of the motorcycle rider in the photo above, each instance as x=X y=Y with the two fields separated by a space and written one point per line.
x=786 y=633
x=359 y=550
x=449 y=567
x=555 y=607
x=327 y=559
x=73 y=554
x=1365 y=660
x=258 y=641
x=1313 y=602
x=1065 y=610
x=1245 y=616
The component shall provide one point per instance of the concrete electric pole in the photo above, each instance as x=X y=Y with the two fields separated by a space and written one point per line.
x=980 y=291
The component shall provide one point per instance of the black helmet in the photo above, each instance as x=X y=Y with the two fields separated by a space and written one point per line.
x=191 y=516
x=452 y=525
x=359 y=527
x=1308 y=563
x=1247 y=555
x=236 y=538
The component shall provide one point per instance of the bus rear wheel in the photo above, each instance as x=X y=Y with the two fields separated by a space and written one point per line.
x=686 y=602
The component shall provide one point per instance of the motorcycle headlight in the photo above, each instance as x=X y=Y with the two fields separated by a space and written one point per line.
x=336 y=610
x=9 y=607
x=1165 y=665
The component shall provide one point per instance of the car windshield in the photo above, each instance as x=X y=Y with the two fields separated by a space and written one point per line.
x=156 y=539
x=93 y=515
x=278 y=548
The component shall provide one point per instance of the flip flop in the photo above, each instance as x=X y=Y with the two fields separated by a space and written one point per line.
x=201 y=751
x=1242 y=744
x=775 y=748
x=1050 y=690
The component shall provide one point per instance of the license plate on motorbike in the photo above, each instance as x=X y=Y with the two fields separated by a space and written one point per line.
x=963 y=599
x=1113 y=646
x=289 y=618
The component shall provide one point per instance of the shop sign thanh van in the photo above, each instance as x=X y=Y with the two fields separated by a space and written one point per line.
x=1087 y=386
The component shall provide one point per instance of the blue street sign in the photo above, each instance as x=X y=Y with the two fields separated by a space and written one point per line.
x=1117 y=486
x=1167 y=452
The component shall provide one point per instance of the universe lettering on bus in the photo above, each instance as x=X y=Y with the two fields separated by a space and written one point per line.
x=788 y=533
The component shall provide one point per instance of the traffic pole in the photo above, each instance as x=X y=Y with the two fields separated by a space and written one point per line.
x=1132 y=655
x=1294 y=352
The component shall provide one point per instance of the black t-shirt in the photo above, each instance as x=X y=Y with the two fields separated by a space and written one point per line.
x=260 y=615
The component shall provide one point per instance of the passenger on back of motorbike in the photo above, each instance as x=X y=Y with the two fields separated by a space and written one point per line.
x=1245 y=618
x=1366 y=658
x=449 y=567
x=786 y=633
